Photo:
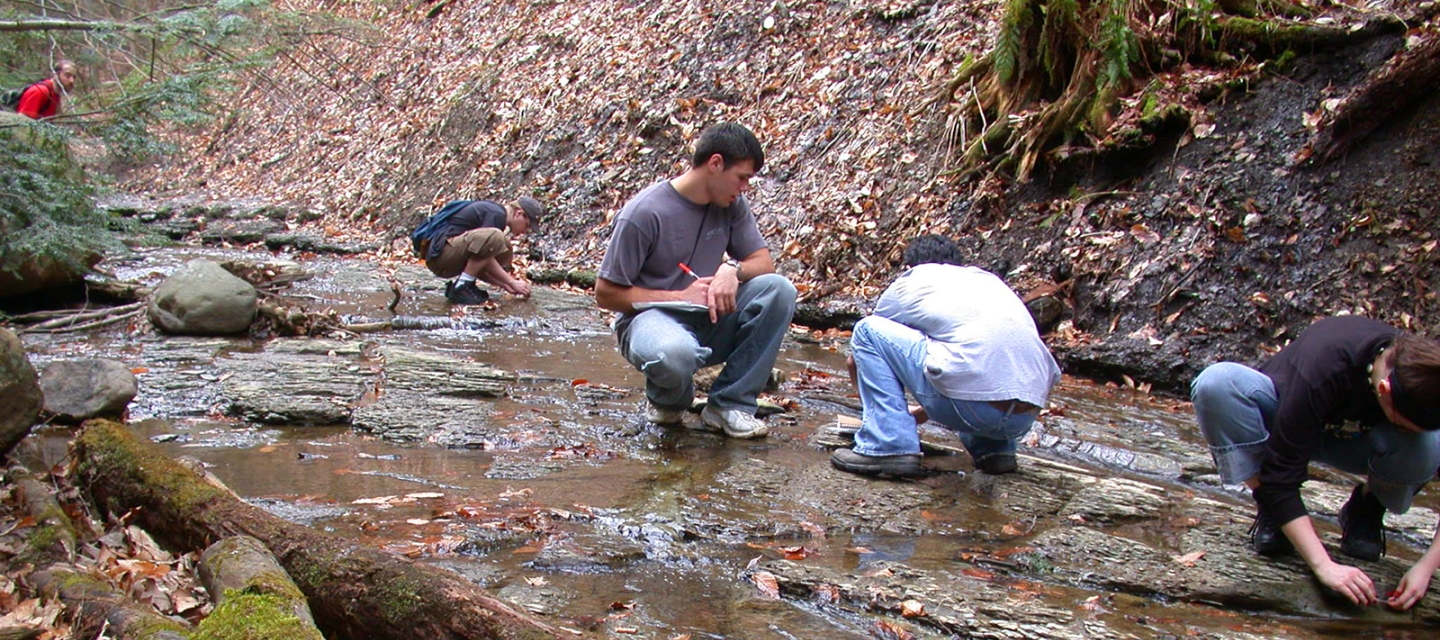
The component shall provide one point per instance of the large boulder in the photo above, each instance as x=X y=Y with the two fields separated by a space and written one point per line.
x=203 y=299
x=20 y=397
x=77 y=390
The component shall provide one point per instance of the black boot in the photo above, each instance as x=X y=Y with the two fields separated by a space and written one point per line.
x=1267 y=538
x=466 y=293
x=905 y=466
x=1362 y=526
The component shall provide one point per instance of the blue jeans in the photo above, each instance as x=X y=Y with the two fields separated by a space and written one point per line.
x=890 y=360
x=1235 y=406
x=669 y=346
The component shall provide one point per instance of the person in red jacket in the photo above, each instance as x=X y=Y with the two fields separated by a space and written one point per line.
x=42 y=99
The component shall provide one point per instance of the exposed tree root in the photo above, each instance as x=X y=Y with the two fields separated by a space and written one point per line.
x=1411 y=75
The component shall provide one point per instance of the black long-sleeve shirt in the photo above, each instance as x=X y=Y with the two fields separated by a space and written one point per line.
x=1323 y=385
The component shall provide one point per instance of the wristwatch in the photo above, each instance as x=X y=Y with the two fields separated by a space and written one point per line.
x=736 y=265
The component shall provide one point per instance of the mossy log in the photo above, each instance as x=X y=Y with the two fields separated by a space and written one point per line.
x=244 y=577
x=254 y=597
x=1413 y=75
x=98 y=606
x=354 y=591
x=53 y=538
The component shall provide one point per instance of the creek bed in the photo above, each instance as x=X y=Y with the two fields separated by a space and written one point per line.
x=523 y=462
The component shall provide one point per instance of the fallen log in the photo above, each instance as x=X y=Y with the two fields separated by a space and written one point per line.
x=101 y=610
x=254 y=597
x=54 y=537
x=1410 y=76
x=354 y=591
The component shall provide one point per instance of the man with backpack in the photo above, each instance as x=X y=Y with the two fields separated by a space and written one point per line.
x=470 y=241
x=42 y=99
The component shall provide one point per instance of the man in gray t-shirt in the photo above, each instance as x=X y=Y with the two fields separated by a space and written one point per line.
x=964 y=345
x=683 y=303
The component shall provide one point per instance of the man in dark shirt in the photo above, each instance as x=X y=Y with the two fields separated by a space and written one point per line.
x=1354 y=393
x=474 y=244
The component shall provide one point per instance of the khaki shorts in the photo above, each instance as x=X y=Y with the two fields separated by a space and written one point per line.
x=474 y=244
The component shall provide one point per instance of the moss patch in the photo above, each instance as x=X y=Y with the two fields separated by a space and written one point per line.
x=252 y=616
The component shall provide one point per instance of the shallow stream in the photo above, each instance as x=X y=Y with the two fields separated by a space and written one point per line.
x=565 y=502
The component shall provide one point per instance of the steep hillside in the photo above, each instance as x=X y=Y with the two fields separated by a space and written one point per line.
x=1215 y=243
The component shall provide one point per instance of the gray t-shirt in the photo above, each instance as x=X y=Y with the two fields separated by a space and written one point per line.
x=981 y=343
x=659 y=228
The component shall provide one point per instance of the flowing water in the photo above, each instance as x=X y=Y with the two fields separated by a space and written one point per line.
x=570 y=505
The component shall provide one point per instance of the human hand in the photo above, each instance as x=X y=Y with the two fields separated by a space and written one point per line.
x=520 y=288
x=723 y=289
x=1411 y=589
x=1350 y=581
x=699 y=291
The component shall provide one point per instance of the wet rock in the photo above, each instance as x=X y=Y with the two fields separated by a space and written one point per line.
x=201 y=298
x=20 y=396
x=239 y=231
x=850 y=500
x=587 y=554
x=956 y=603
x=316 y=244
x=297 y=382
x=539 y=598
x=77 y=390
x=432 y=397
x=1116 y=500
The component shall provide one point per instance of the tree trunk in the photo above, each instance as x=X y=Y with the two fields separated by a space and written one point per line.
x=354 y=591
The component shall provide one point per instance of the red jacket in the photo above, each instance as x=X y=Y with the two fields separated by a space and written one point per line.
x=40 y=100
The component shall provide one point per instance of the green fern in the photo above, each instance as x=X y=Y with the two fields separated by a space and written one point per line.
x=1118 y=44
x=1010 y=49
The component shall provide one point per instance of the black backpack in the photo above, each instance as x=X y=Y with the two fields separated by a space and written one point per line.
x=420 y=237
x=10 y=98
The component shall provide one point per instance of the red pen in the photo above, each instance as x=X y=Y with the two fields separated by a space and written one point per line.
x=687 y=270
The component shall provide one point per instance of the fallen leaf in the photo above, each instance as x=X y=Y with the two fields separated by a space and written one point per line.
x=768 y=584
x=1189 y=559
x=912 y=609
x=886 y=630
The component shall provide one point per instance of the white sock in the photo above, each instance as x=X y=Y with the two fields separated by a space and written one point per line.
x=464 y=278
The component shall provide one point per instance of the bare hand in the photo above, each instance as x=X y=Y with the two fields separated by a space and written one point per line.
x=723 y=288
x=520 y=288
x=699 y=291
x=1411 y=589
x=1350 y=581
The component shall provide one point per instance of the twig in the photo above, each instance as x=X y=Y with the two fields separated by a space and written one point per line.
x=85 y=327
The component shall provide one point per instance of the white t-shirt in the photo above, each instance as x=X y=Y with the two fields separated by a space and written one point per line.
x=982 y=341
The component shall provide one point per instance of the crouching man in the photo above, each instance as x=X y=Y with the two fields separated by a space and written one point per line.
x=964 y=346
x=1354 y=393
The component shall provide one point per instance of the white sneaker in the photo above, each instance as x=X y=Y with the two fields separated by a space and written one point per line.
x=663 y=416
x=734 y=422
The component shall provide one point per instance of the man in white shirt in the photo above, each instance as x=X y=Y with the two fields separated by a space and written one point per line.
x=964 y=346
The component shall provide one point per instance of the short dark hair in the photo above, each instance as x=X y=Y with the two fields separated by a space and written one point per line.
x=732 y=141
x=65 y=62
x=1415 y=379
x=932 y=247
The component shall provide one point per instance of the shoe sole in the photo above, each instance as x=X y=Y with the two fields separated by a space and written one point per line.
x=876 y=470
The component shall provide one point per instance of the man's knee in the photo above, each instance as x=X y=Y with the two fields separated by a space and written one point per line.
x=774 y=289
